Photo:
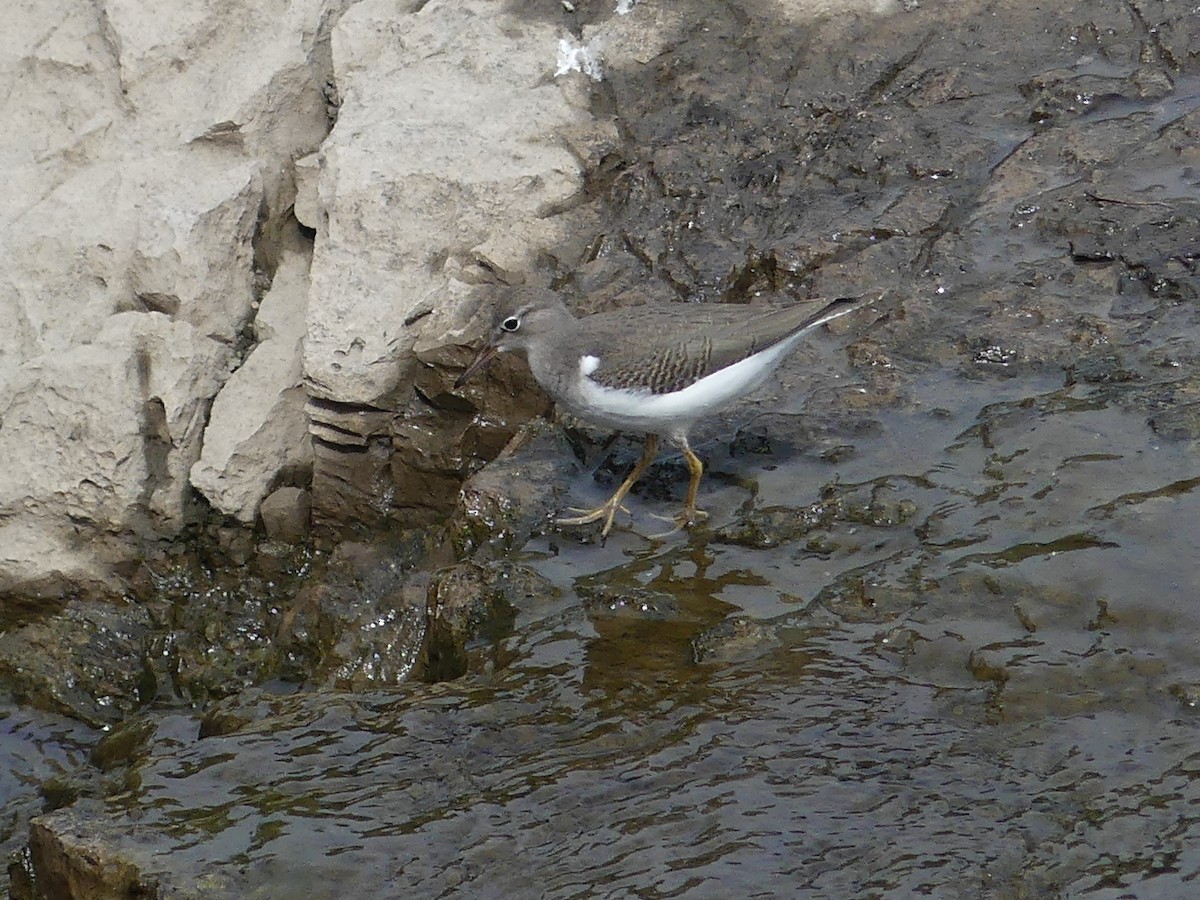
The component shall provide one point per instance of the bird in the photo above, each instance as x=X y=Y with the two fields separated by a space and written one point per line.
x=657 y=368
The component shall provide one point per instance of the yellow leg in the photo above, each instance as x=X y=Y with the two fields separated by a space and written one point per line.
x=609 y=509
x=690 y=514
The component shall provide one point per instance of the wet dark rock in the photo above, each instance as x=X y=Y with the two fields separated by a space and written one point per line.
x=610 y=457
x=861 y=599
x=736 y=640
x=87 y=662
x=385 y=647
x=61 y=791
x=863 y=504
x=233 y=714
x=821 y=430
x=990 y=664
x=124 y=743
x=441 y=435
x=751 y=441
x=359 y=623
x=1100 y=369
x=774 y=525
x=994 y=355
x=472 y=608
x=514 y=497
x=616 y=601
x=1178 y=423
x=212 y=633
x=1093 y=248
x=351 y=446
x=355 y=619
x=286 y=514
x=776 y=435
x=74 y=853
x=838 y=453
x=881 y=511
x=235 y=544
x=1188 y=695
x=1068 y=93
x=346 y=483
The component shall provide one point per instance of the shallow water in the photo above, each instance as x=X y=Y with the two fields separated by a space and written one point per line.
x=993 y=697
x=40 y=758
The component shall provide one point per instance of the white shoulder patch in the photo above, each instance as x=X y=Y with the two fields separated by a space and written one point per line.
x=588 y=364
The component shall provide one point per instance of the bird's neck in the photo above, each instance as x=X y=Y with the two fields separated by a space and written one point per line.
x=554 y=361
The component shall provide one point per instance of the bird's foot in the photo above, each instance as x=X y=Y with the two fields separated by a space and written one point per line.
x=607 y=512
x=589 y=515
x=684 y=519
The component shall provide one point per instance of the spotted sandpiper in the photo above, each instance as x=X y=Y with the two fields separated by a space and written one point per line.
x=656 y=369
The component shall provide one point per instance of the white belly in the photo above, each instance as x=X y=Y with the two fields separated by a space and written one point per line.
x=672 y=413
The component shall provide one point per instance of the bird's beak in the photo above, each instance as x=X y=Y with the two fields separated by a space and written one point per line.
x=486 y=355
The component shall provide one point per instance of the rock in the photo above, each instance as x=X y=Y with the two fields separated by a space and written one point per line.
x=286 y=515
x=385 y=644
x=473 y=158
x=357 y=622
x=507 y=501
x=74 y=852
x=307 y=206
x=258 y=427
x=445 y=169
x=149 y=165
x=472 y=607
x=1177 y=423
x=224 y=81
x=193 y=254
x=101 y=437
x=351 y=466
x=86 y=662
x=734 y=640
x=42 y=559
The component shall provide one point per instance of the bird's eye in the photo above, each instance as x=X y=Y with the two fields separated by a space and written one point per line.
x=512 y=323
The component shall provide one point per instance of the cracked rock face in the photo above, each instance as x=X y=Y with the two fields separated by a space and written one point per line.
x=258 y=427
x=148 y=163
x=99 y=441
x=186 y=211
x=446 y=168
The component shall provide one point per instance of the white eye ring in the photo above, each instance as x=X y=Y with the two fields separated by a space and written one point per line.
x=512 y=323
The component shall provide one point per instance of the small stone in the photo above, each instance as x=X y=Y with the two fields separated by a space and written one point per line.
x=286 y=515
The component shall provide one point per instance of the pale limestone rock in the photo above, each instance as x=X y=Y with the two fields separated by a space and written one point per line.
x=148 y=165
x=258 y=426
x=193 y=254
x=240 y=74
x=807 y=10
x=64 y=272
x=98 y=439
x=307 y=172
x=446 y=157
x=47 y=557
x=637 y=37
